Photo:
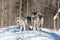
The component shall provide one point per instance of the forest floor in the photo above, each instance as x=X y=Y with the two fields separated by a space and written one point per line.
x=12 y=33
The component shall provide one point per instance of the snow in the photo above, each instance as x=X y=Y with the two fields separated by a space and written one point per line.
x=12 y=33
x=9 y=29
x=37 y=35
x=9 y=36
x=39 y=38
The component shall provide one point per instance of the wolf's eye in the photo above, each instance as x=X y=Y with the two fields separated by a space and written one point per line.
x=18 y=22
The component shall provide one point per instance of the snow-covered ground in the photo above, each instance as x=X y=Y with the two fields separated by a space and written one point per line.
x=12 y=33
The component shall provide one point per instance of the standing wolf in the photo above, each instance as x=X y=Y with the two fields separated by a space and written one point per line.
x=21 y=24
x=37 y=20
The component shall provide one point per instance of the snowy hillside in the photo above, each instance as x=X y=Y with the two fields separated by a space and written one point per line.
x=12 y=33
